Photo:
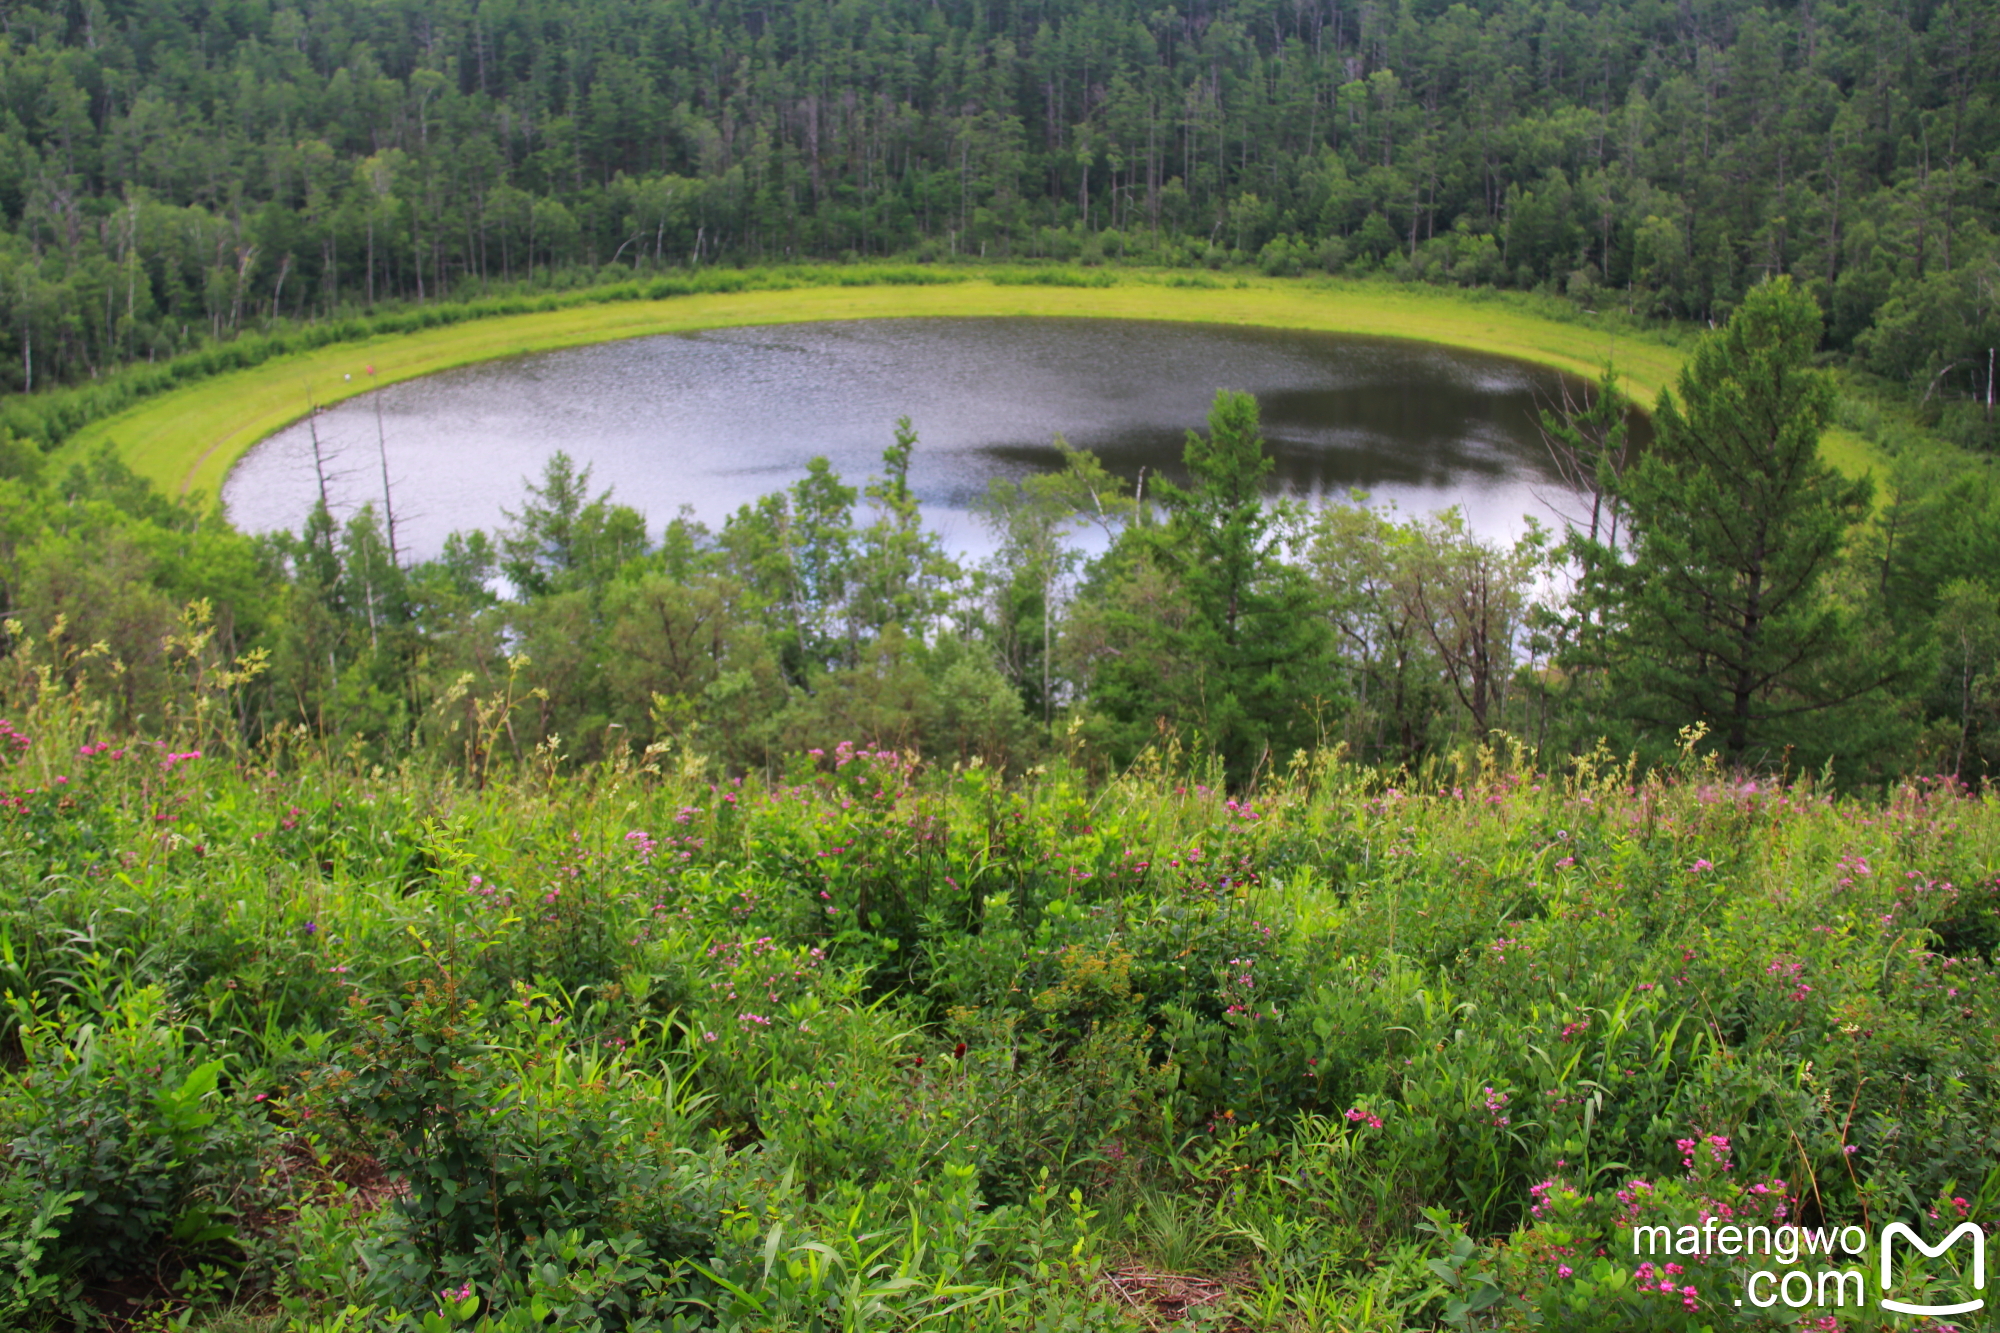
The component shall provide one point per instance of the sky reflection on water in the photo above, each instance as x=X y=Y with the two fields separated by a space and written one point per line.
x=712 y=420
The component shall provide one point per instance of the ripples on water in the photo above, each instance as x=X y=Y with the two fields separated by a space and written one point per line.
x=714 y=419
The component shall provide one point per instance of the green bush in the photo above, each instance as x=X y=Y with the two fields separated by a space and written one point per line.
x=507 y=1129
x=772 y=1049
x=35 y=1288
x=119 y=1112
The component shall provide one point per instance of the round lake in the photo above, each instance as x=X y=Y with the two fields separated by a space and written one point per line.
x=712 y=420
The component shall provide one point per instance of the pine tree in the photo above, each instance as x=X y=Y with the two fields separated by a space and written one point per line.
x=1211 y=629
x=1721 y=612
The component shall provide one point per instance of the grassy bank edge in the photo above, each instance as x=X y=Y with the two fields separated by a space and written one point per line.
x=187 y=440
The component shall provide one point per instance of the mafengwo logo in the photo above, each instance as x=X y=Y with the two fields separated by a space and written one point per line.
x=1794 y=1284
x=1965 y=1230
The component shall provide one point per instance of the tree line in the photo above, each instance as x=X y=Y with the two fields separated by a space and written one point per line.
x=175 y=175
x=1725 y=579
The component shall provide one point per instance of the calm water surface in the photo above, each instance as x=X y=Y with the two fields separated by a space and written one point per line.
x=712 y=420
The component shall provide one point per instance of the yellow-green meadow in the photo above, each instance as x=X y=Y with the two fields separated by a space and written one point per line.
x=187 y=440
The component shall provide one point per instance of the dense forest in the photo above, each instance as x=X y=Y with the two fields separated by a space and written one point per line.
x=175 y=174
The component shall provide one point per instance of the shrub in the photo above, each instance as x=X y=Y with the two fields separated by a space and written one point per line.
x=509 y=1129
x=119 y=1113
x=34 y=1286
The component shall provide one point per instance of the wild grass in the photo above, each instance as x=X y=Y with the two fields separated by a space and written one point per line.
x=883 y=1045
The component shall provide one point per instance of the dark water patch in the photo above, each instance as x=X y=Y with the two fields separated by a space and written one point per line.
x=712 y=420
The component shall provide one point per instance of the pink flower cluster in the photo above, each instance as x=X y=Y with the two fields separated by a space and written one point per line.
x=1789 y=972
x=1632 y=1196
x=845 y=754
x=1715 y=1145
x=1662 y=1280
x=1540 y=1195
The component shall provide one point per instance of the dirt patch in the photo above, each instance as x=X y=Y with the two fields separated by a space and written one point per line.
x=1163 y=1300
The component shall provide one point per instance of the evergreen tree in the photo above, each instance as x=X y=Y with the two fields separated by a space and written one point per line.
x=1722 y=612
x=901 y=574
x=562 y=537
x=1209 y=628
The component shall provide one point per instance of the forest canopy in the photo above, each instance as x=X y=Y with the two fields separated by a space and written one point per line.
x=170 y=175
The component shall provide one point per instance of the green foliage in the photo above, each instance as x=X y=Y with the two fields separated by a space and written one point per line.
x=515 y=1141
x=1207 y=629
x=856 y=1037
x=1427 y=617
x=1590 y=442
x=124 y=1127
x=564 y=537
x=1035 y=566
x=36 y=1279
x=1725 y=615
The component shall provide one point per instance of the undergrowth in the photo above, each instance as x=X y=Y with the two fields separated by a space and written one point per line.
x=296 y=1044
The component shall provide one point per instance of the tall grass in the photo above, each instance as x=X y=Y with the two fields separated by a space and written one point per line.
x=887 y=1045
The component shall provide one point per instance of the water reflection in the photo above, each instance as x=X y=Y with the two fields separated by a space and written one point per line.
x=711 y=420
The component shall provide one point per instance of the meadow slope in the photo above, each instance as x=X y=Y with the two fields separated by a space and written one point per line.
x=1339 y=1053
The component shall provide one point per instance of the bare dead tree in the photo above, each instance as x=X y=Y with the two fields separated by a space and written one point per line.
x=1589 y=442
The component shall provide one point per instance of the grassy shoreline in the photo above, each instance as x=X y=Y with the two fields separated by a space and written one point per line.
x=187 y=440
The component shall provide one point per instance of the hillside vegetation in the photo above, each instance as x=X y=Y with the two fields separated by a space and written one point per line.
x=781 y=927
x=878 y=1044
x=1208 y=911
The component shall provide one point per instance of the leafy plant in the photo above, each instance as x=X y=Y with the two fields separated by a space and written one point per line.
x=117 y=1112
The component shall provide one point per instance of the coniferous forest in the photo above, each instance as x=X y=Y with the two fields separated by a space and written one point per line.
x=170 y=174
x=1206 y=910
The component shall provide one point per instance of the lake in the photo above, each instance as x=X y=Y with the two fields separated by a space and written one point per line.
x=714 y=419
